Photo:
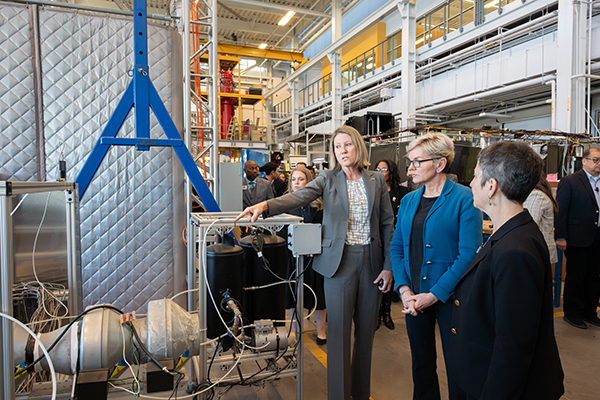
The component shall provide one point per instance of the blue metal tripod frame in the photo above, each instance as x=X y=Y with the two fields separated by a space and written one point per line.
x=142 y=95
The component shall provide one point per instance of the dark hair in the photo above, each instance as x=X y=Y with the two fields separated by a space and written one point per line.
x=394 y=175
x=544 y=187
x=588 y=152
x=514 y=165
x=269 y=167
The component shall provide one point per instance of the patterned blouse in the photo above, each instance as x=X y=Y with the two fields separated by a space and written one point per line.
x=359 y=230
x=542 y=211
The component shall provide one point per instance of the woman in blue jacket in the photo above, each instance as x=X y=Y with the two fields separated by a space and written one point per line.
x=437 y=235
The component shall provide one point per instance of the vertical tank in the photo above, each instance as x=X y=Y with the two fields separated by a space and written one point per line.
x=267 y=303
x=224 y=266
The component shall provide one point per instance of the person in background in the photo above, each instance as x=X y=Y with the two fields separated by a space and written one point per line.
x=284 y=177
x=542 y=206
x=272 y=175
x=577 y=232
x=436 y=237
x=502 y=341
x=392 y=179
x=254 y=190
x=311 y=213
x=357 y=230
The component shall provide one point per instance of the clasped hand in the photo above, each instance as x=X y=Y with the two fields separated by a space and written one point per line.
x=416 y=303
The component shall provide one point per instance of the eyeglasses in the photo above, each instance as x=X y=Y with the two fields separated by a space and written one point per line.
x=381 y=170
x=417 y=163
x=595 y=160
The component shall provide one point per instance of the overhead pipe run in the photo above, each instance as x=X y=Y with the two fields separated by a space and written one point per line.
x=488 y=93
x=529 y=26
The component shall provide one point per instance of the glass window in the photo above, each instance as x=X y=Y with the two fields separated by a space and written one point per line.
x=393 y=47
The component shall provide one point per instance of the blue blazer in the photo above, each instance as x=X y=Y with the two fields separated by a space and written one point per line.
x=452 y=233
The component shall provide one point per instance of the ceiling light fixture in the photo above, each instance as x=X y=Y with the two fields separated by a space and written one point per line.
x=495 y=115
x=263 y=46
x=286 y=18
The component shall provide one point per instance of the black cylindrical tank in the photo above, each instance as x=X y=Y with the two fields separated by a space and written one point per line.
x=267 y=303
x=224 y=266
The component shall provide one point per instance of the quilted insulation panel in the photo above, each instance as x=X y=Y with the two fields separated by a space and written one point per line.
x=18 y=160
x=126 y=213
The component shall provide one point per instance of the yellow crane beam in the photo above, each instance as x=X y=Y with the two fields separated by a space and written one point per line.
x=247 y=51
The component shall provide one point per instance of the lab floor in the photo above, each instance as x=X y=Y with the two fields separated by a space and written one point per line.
x=391 y=374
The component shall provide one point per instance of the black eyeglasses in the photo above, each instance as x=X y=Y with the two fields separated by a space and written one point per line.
x=417 y=163
x=595 y=160
x=381 y=170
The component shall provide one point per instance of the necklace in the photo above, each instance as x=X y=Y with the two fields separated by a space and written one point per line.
x=483 y=245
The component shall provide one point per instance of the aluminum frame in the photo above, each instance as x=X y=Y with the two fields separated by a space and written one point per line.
x=225 y=222
x=8 y=190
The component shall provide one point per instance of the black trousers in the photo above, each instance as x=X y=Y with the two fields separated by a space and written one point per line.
x=421 y=335
x=582 y=284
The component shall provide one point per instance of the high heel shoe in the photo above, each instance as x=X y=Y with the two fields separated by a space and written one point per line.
x=321 y=342
x=387 y=321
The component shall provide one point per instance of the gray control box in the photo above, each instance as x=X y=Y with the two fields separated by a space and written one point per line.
x=304 y=239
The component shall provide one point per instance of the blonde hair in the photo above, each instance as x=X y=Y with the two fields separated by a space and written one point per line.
x=436 y=145
x=318 y=203
x=362 y=154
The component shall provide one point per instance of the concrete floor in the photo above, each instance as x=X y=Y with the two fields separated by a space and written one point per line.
x=391 y=373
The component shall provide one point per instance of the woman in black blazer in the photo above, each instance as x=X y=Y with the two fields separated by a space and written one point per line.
x=392 y=179
x=503 y=344
x=355 y=257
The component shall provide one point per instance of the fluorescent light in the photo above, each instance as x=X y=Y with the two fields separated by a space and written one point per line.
x=359 y=65
x=492 y=4
x=369 y=65
x=495 y=115
x=420 y=40
x=263 y=46
x=286 y=18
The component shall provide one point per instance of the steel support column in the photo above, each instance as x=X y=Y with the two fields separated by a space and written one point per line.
x=335 y=58
x=7 y=268
x=409 y=32
x=570 y=92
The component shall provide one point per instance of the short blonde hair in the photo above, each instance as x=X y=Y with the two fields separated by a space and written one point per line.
x=318 y=203
x=436 y=145
x=362 y=154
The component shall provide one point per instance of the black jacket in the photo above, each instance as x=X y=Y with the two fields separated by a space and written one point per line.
x=577 y=218
x=396 y=194
x=503 y=346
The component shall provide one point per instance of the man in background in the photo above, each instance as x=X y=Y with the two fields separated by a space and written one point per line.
x=577 y=232
x=254 y=190
x=272 y=175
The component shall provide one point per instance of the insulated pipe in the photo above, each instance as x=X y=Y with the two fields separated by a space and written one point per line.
x=97 y=341
x=536 y=23
x=481 y=95
x=89 y=8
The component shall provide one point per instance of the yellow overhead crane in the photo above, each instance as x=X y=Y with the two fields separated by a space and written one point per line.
x=254 y=52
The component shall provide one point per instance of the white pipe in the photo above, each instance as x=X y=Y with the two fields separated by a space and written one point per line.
x=481 y=95
x=502 y=36
x=42 y=347
x=552 y=84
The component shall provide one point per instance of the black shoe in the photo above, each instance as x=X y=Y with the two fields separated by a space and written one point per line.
x=576 y=322
x=592 y=320
x=387 y=321
x=321 y=342
x=379 y=322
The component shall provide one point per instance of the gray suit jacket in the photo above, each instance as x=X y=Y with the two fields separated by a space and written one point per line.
x=263 y=191
x=331 y=186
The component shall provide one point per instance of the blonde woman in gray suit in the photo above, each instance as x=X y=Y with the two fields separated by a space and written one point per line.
x=358 y=224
